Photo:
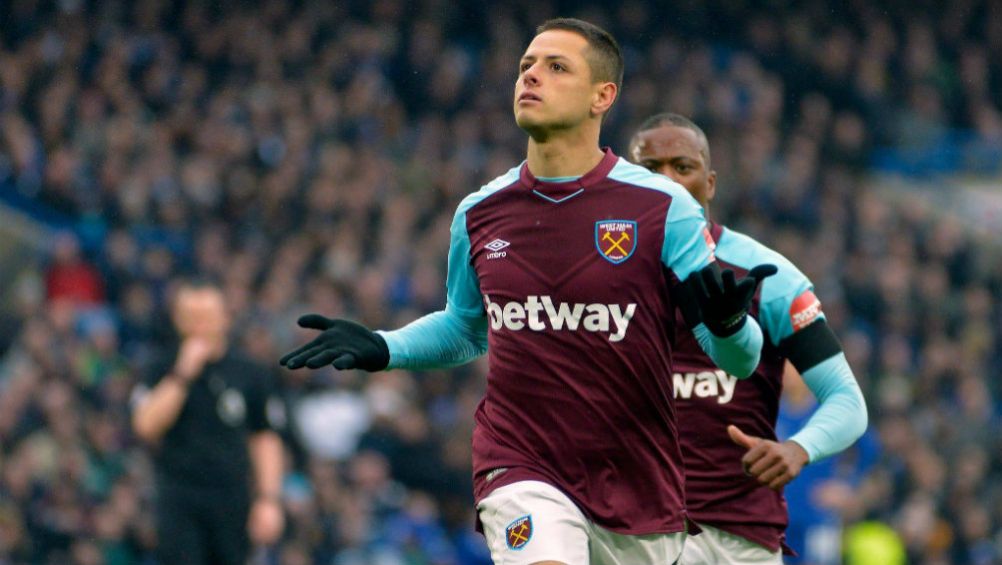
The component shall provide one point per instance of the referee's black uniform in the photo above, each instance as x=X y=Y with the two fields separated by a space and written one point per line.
x=203 y=466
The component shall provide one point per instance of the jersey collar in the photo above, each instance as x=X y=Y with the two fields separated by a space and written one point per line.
x=558 y=189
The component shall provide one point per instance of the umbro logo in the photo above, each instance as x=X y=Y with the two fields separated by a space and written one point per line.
x=495 y=247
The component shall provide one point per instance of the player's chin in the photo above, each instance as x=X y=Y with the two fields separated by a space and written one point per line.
x=530 y=123
x=528 y=118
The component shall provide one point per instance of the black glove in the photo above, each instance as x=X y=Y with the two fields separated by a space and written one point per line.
x=723 y=301
x=344 y=344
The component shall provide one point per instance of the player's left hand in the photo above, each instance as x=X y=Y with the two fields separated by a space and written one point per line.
x=266 y=521
x=771 y=463
x=724 y=300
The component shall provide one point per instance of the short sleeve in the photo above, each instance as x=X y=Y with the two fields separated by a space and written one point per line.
x=788 y=314
x=151 y=377
x=788 y=303
x=266 y=410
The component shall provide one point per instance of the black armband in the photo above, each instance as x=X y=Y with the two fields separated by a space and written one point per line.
x=810 y=346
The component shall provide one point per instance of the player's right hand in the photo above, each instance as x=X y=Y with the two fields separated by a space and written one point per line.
x=723 y=300
x=194 y=353
x=771 y=463
x=341 y=343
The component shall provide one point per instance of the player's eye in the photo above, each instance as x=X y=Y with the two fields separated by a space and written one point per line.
x=556 y=67
x=524 y=67
x=683 y=168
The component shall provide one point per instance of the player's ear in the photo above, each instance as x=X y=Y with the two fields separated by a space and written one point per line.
x=711 y=185
x=604 y=94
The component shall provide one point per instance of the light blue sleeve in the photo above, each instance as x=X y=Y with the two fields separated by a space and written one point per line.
x=687 y=246
x=738 y=354
x=841 y=416
x=440 y=339
x=779 y=292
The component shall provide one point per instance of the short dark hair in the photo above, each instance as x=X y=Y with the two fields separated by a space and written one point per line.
x=194 y=283
x=199 y=282
x=673 y=119
x=605 y=57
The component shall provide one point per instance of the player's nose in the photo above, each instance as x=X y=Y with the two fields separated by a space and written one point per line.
x=530 y=76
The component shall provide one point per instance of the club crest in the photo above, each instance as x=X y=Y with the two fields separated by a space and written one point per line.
x=615 y=239
x=519 y=532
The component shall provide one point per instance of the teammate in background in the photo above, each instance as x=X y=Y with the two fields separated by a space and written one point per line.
x=735 y=468
x=218 y=461
x=562 y=266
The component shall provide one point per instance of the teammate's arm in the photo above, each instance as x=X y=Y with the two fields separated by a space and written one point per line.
x=841 y=416
x=797 y=326
x=450 y=337
x=724 y=331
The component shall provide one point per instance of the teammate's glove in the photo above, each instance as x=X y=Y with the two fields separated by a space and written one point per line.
x=723 y=301
x=344 y=344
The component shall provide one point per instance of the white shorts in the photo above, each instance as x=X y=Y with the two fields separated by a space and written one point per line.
x=531 y=521
x=718 y=546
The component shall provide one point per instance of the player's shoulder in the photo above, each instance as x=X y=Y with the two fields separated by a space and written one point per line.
x=625 y=172
x=683 y=205
x=500 y=183
x=741 y=250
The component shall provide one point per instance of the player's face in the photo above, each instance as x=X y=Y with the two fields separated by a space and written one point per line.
x=677 y=153
x=554 y=89
x=201 y=312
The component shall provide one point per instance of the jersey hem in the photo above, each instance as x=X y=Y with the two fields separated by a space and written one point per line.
x=519 y=474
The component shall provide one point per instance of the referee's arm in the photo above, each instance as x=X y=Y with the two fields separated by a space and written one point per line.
x=156 y=411
x=267 y=456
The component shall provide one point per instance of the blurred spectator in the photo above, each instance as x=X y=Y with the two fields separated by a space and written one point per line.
x=70 y=277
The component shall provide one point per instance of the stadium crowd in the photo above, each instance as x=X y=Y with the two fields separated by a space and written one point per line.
x=309 y=155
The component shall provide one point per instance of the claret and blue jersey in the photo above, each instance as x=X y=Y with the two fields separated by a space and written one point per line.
x=707 y=399
x=569 y=282
x=580 y=324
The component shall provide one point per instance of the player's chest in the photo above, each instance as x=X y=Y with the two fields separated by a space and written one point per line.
x=584 y=248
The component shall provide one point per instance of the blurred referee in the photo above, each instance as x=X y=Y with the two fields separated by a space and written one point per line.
x=209 y=413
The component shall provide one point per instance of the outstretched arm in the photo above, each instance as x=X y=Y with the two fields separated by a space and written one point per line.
x=440 y=339
x=445 y=338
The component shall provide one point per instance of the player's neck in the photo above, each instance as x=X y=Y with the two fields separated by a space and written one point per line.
x=572 y=154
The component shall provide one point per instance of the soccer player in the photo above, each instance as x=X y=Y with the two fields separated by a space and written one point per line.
x=560 y=270
x=735 y=468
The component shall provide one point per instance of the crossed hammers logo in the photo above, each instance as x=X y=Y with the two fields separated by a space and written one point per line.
x=615 y=242
x=516 y=537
